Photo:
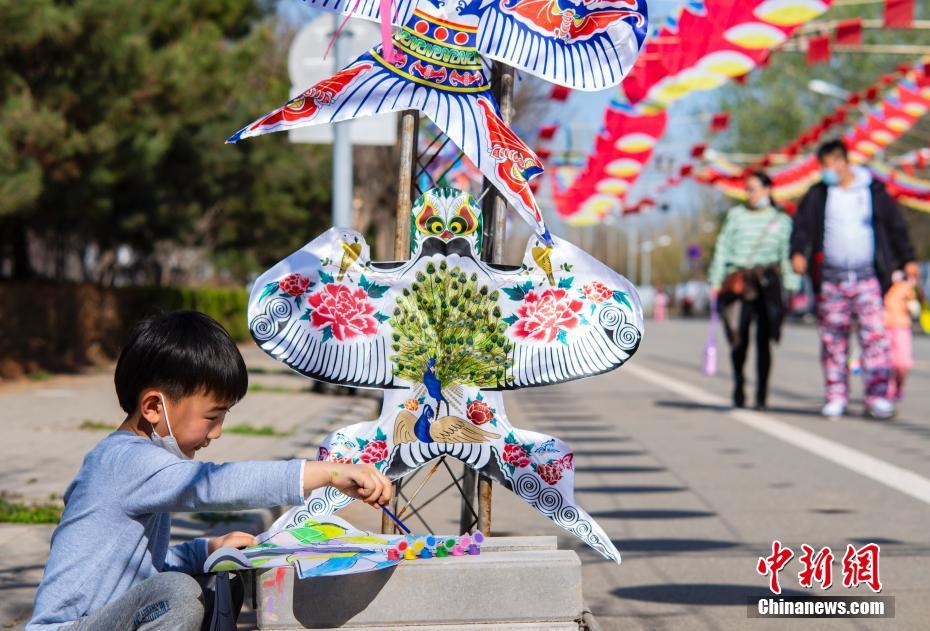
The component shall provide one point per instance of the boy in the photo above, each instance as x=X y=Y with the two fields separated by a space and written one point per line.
x=110 y=566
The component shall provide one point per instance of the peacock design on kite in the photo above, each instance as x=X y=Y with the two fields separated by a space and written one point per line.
x=443 y=334
x=433 y=64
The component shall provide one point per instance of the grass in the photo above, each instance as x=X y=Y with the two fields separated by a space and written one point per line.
x=19 y=513
x=39 y=375
x=257 y=387
x=90 y=425
x=254 y=430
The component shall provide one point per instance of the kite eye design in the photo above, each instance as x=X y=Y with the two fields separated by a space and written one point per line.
x=464 y=222
x=434 y=225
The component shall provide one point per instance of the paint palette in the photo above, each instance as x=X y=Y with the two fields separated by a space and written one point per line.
x=432 y=546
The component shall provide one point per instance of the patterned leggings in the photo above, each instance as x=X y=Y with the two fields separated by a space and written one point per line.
x=837 y=305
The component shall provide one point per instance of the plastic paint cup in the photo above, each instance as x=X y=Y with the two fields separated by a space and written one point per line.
x=410 y=555
x=441 y=552
x=393 y=555
x=474 y=549
x=457 y=551
x=426 y=554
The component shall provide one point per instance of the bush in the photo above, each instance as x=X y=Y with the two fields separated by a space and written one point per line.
x=67 y=326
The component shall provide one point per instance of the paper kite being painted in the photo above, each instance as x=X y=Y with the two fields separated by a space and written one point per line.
x=331 y=546
x=444 y=333
x=433 y=64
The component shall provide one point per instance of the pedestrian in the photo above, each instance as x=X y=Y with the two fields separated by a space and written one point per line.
x=749 y=271
x=660 y=304
x=900 y=303
x=849 y=233
x=110 y=566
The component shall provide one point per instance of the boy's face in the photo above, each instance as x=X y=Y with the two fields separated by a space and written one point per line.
x=195 y=420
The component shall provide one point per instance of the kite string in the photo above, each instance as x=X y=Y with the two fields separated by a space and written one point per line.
x=387 y=46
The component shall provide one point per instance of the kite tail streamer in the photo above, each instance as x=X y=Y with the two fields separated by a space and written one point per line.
x=332 y=40
x=710 y=347
x=387 y=45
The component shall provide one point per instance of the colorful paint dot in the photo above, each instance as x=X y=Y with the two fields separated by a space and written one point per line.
x=460 y=38
x=441 y=34
x=421 y=27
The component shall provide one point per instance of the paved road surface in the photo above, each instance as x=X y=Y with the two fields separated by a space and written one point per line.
x=691 y=492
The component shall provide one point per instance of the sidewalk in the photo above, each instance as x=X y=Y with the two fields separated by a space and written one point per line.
x=43 y=446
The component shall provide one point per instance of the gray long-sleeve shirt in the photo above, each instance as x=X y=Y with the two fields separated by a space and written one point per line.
x=116 y=525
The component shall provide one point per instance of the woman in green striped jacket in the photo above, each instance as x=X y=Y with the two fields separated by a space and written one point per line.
x=748 y=274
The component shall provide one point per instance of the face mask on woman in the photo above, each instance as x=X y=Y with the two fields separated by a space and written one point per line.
x=830 y=177
x=765 y=202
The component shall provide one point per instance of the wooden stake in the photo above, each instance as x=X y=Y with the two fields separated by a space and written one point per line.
x=409 y=123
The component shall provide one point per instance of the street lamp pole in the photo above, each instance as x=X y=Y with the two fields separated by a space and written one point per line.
x=646 y=248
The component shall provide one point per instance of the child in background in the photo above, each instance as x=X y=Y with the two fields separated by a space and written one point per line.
x=898 y=324
x=660 y=305
x=110 y=566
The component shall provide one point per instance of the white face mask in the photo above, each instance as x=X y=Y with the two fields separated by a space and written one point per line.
x=168 y=443
x=765 y=202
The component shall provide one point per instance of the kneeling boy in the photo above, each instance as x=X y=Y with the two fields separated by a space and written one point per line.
x=110 y=566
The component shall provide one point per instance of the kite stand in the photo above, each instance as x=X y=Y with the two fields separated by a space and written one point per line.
x=411 y=167
x=516 y=583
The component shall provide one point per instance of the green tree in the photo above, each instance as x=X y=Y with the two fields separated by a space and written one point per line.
x=113 y=115
x=775 y=105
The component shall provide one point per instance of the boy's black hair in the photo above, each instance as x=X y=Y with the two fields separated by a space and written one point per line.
x=181 y=353
x=832 y=147
x=763 y=178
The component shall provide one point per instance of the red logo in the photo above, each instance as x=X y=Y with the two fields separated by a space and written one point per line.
x=817 y=567
x=860 y=566
x=773 y=564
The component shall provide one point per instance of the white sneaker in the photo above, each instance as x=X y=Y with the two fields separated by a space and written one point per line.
x=834 y=409
x=880 y=408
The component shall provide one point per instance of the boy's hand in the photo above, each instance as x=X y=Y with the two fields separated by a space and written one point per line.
x=361 y=481
x=235 y=539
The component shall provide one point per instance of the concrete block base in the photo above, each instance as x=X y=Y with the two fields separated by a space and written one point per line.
x=522 y=583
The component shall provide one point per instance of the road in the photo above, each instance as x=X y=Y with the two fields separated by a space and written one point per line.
x=691 y=492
